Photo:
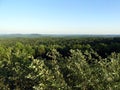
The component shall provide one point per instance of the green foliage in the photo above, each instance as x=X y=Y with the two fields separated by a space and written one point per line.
x=60 y=64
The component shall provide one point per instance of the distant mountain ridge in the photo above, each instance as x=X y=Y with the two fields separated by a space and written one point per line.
x=55 y=35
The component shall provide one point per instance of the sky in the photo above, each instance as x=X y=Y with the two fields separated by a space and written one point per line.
x=60 y=16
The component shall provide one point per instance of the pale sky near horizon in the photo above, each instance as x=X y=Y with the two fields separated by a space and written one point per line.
x=60 y=16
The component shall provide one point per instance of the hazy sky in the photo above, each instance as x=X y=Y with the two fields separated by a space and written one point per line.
x=60 y=16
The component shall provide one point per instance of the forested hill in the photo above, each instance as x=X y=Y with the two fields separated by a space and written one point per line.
x=54 y=35
x=20 y=35
x=59 y=62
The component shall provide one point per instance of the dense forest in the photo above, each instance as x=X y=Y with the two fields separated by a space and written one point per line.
x=60 y=63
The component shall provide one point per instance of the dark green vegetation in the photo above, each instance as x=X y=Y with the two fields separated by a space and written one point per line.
x=63 y=63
